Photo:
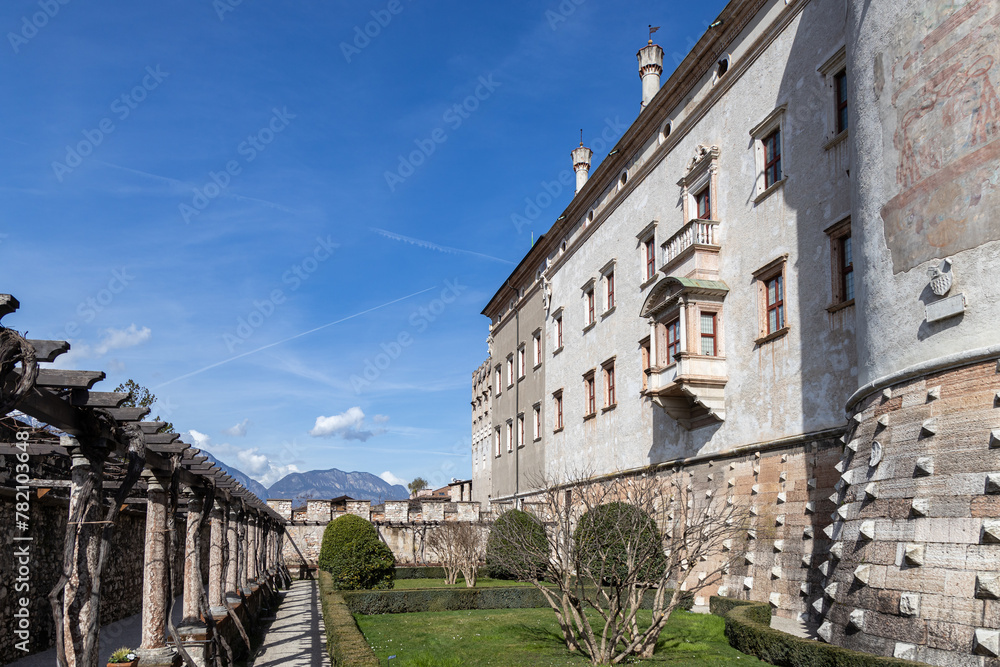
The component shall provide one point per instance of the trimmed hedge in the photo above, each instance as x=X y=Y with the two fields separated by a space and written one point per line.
x=526 y=527
x=353 y=553
x=402 y=602
x=748 y=630
x=344 y=641
x=460 y=599
x=424 y=572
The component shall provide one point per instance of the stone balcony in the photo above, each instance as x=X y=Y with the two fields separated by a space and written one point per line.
x=693 y=252
x=691 y=390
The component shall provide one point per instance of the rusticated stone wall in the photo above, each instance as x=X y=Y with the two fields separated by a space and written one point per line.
x=915 y=570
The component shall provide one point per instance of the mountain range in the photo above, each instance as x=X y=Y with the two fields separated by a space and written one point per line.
x=299 y=486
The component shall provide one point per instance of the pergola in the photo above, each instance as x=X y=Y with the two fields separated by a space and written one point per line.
x=117 y=460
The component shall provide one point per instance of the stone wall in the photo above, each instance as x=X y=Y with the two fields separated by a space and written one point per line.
x=915 y=570
x=121 y=595
x=402 y=524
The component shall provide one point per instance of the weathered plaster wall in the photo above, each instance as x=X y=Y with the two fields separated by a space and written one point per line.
x=517 y=471
x=927 y=142
x=482 y=428
x=793 y=385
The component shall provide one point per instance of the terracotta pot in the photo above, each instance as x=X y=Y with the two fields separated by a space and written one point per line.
x=124 y=664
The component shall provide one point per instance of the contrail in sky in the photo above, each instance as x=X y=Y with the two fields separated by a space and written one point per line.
x=434 y=246
x=298 y=335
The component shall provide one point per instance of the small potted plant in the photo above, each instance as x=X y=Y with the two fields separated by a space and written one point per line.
x=123 y=657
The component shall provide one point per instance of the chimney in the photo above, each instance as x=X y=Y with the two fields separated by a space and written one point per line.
x=581 y=163
x=650 y=67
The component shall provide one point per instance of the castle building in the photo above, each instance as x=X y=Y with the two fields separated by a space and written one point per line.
x=781 y=280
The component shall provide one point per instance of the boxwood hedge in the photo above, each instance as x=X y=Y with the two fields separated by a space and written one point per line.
x=344 y=641
x=420 y=572
x=748 y=630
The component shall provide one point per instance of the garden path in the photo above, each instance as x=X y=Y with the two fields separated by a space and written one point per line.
x=296 y=637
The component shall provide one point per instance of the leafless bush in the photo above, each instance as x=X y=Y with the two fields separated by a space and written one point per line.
x=459 y=546
x=613 y=544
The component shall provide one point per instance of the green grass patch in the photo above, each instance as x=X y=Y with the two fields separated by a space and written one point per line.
x=529 y=637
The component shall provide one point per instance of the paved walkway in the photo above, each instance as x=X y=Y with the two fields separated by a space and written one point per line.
x=296 y=637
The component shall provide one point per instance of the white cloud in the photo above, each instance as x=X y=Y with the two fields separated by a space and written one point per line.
x=249 y=460
x=111 y=339
x=380 y=419
x=349 y=425
x=387 y=476
x=237 y=430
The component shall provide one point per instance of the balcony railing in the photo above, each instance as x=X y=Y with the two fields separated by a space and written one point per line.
x=700 y=232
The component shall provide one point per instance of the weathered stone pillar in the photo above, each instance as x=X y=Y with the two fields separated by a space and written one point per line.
x=192 y=557
x=241 y=543
x=216 y=552
x=156 y=570
x=251 y=543
x=233 y=542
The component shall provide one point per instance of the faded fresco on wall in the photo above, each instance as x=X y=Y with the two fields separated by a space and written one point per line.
x=937 y=86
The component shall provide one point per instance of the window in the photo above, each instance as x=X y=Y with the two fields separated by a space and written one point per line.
x=537 y=343
x=498 y=382
x=510 y=370
x=673 y=340
x=703 y=202
x=722 y=67
x=840 y=97
x=609 y=383
x=842 y=260
x=521 y=362
x=589 y=390
x=510 y=436
x=557 y=403
x=708 y=337
x=559 y=336
x=650 y=258
x=775 y=289
x=644 y=354
x=590 y=306
x=772 y=158
x=537 y=420
x=768 y=153
x=609 y=284
x=496 y=442
x=520 y=430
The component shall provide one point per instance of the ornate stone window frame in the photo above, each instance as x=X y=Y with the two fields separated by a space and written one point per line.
x=606 y=271
x=702 y=171
x=773 y=121
x=646 y=234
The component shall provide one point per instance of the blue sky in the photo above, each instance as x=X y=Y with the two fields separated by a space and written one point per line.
x=287 y=228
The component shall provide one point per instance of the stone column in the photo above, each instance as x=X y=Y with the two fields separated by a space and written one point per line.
x=233 y=542
x=156 y=569
x=192 y=557
x=216 y=552
x=251 y=543
x=241 y=542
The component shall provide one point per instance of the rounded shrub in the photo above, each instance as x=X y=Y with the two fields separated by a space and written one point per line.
x=353 y=553
x=605 y=535
x=517 y=547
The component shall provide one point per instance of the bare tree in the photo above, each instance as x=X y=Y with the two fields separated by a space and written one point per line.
x=616 y=545
x=459 y=546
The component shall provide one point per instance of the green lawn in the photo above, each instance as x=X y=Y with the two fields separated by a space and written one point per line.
x=526 y=638
x=481 y=582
